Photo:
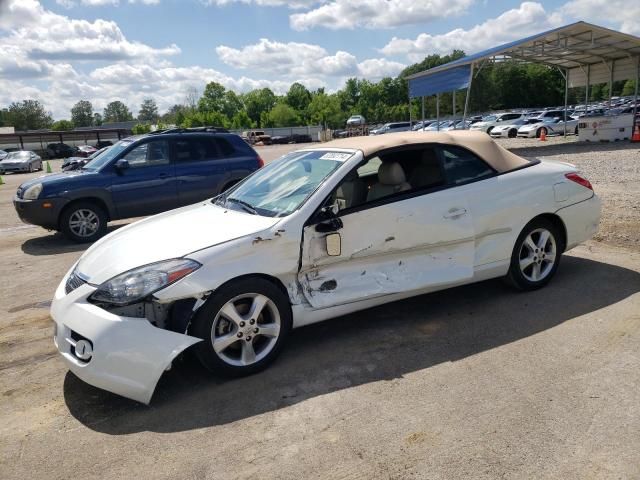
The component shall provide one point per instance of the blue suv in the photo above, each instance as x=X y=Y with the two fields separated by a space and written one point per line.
x=138 y=176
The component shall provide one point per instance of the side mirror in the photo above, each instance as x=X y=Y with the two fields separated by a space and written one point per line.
x=334 y=244
x=122 y=165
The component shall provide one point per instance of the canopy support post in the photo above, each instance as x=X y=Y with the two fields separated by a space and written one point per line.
x=453 y=96
x=410 y=122
x=586 y=91
x=565 y=75
x=438 y=111
x=423 y=112
x=466 y=100
x=635 y=96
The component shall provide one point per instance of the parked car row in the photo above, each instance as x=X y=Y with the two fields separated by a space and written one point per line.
x=63 y=150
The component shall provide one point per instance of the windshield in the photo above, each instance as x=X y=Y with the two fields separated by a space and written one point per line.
x=105 y=157
x=283 y=186
x=18 y=155
x=490 y=118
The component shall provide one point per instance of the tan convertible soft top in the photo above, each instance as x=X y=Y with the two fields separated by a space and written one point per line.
x=478 y=142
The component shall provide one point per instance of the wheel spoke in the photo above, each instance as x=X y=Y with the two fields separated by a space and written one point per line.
x=525 y=262
x=530 y=244
x=257 y=306
x=221 y=343
x=248 y=353
x=544 y=238
x=535 y=272
x=229 y=311
x=549 y=257
x=269 y=330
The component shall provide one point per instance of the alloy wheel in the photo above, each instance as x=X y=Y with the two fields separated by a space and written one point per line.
x=84 y=223
x=538 y=255
x=246 y=329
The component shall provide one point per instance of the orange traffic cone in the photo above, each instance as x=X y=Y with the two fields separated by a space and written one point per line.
x=543 y=135
x=636 y=134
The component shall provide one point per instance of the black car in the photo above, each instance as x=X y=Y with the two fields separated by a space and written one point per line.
x=293 y=138
x=60 y=150
x=138 y=176
x=103 y=143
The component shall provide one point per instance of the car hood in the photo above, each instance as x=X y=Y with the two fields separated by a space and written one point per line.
x=531 y=126
x=14 y=160
x=54 y=178
x=165 y=236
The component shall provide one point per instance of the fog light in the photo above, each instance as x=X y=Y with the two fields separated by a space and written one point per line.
x=47 y=205
x=83 y=350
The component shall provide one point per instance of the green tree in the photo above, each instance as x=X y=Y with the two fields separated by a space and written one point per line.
x=148 y=111
x=205 y=119
x=62 y=125
x=231 y=104
x=629 y=88
x=298 y=97
x=97 y=119
x=283 y=115
x=212 y=99
x=175 y=115
x=82 y=114
x=257 y=103
x=242 y=120
x=325 y=110
x=141 y=128
x=116 y=112
x=28 y=115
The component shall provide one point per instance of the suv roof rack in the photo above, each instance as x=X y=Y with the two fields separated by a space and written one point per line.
x=190 y=130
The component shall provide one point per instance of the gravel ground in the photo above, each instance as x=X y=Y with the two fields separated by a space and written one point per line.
x=614 y=171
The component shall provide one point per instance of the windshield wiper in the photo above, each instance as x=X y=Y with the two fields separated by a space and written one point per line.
x=247 y=206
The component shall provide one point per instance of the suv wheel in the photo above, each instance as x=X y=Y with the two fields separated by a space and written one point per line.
x=83 y=222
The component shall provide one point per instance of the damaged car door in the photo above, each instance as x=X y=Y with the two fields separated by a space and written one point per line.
x=409 y=239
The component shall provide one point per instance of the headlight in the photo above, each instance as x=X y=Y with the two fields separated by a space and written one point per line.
x=33 y=192
x=136 y=284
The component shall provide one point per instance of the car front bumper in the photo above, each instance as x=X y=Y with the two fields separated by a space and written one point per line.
x=126 y=355
x=16 y=167
x=499 y=133
x=44 y=212
x=527 y=133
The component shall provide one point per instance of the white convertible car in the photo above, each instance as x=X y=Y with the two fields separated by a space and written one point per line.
x=319 y=233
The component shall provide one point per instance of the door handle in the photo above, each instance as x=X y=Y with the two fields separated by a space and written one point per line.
x=455 y=213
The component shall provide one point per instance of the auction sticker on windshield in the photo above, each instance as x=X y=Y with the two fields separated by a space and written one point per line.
x=337 y=156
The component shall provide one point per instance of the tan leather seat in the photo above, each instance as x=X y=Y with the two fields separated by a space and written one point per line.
x=352 y=191
x=427 y=173
x=391 y=179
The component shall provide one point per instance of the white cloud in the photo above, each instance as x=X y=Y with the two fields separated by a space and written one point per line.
x=267 y=3
x=349 y=14
x=622 y=13
x=100 y=3
x=377 y=68
x=528 y=19
x=42 y=34
x=293 y=59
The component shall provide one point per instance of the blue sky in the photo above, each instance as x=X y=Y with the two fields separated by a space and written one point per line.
x=60 y=51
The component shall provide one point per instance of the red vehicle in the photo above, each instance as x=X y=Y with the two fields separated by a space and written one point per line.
x=85 y=151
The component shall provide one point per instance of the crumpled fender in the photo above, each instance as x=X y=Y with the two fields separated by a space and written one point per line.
x=129 y=354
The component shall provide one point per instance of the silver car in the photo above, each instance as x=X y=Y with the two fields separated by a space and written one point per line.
x=21 y=161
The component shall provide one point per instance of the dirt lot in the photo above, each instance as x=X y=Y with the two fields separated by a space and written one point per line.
x=474 y=382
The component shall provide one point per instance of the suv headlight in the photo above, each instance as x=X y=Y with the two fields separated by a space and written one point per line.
x=33 y=192
x=134 y=285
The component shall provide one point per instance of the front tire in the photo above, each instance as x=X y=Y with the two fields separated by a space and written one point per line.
x=83 y=222
x=536 y=256
x=243 y=325
x=513 y=133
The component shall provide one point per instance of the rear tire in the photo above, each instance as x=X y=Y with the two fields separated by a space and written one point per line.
x=536 y=256
x=83 y=222
x=489 y=130
x=248 y=321
x=513 y=133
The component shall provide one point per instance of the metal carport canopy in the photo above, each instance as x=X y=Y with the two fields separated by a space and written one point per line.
x=586 y=53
